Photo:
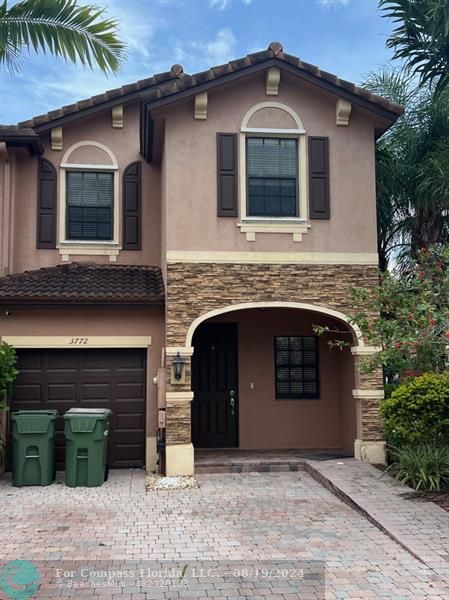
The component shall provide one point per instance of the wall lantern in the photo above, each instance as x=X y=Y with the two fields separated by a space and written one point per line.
x=178 y=366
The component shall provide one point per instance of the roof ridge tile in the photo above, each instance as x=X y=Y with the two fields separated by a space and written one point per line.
x=169 y=82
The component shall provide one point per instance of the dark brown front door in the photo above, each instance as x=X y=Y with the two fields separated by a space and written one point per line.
x=100 y=378
x=215 y=382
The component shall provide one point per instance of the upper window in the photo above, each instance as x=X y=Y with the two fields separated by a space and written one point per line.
x=272 y=174
x=90 y=205
x=296 y=367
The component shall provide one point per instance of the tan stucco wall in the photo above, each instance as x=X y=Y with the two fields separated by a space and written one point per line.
x=190 y=148
x=264 y=422
x=124 y=143
x=93 y=321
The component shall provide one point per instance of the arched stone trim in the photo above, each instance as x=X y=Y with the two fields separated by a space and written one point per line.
x=280 y=106
x=295 y=305
x=82 y=143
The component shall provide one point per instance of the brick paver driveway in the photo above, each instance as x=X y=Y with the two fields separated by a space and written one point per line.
x=286 y=520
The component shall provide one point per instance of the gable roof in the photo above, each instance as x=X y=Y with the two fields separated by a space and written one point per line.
x=85 y=283
x=170 y=86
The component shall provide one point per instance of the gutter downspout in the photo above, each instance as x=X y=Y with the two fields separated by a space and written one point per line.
x=5 y=209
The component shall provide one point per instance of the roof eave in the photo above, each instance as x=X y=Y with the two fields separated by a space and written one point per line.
x=391 y=115
x=243 y=71
x=34 y=145
x=20 y=301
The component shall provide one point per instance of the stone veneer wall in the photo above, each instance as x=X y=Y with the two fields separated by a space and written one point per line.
x=194 y=289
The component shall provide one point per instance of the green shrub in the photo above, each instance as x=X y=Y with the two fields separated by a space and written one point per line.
x=423 y=467
x=417 y=411
x=8 y=372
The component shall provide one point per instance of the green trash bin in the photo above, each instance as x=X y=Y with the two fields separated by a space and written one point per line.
x=33 y=447
x=86 y=446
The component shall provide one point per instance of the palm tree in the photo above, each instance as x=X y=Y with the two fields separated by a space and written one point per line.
x=421 y=38
x=412 y=169
x=62 y=28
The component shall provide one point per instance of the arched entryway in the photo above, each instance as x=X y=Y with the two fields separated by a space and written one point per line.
x=262 y=379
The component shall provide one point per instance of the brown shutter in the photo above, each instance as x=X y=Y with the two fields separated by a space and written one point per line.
x=46 y=205
x=227 y=174
x=132 y=183
x=319 y=178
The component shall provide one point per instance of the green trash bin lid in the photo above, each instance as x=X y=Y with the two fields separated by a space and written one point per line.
x=83 y=420
x=19 y=413
x=33 y=421
x=82 y=412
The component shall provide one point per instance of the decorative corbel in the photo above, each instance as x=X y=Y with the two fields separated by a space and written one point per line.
x=343 y=111
x=273 y=77
x=56 y=138
x=117 y=116
x=201 y=106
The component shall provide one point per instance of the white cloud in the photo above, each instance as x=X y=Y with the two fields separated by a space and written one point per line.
x=136 y=32
x=331 y=3
x=220 y=4
x=201 y=54
x=222 y=48
x=224 y=4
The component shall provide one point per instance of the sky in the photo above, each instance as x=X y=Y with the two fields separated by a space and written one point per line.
x=344 y=37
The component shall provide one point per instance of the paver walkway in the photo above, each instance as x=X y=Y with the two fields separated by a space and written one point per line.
x=421 y=527
x=230 y=521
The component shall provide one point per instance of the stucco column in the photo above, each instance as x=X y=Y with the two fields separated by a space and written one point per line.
x=179 y=455
x=370 y=443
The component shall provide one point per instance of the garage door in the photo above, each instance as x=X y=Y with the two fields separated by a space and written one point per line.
x=114 y=379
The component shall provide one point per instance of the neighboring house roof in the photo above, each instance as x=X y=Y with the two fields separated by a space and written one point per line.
x=85 y=283
x=21 y=137
x=175 y=84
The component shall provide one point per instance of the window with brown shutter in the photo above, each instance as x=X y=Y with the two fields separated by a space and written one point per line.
x=132 y=183
x=319 y=178
x=46 y=205
x=227 y=174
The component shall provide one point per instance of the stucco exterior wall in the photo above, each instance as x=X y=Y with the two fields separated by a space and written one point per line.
x=264 y=421
x=124 y=144
x=191 y=184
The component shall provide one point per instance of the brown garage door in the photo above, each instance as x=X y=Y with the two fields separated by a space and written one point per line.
x=114 y=379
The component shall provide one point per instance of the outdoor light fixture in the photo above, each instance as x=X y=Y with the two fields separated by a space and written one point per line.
x=178 y=366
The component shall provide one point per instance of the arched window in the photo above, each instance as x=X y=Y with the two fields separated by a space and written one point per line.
x=273 y=172
x=89 y=201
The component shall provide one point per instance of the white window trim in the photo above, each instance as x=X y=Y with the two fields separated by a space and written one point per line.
x=296 y=226
x=67 y=247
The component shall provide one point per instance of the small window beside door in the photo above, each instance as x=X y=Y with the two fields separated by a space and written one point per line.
x=90 y=205
x=296 y=367
x=272 y=177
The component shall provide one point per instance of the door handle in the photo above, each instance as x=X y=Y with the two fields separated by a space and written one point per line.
x=232 y=401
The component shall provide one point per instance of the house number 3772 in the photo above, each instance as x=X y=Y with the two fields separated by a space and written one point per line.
x=78 y=341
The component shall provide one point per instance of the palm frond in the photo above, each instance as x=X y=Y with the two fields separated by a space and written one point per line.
x=421 y=38
x=62 y=28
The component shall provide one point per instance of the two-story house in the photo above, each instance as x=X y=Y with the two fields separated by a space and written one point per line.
x=197 y=226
